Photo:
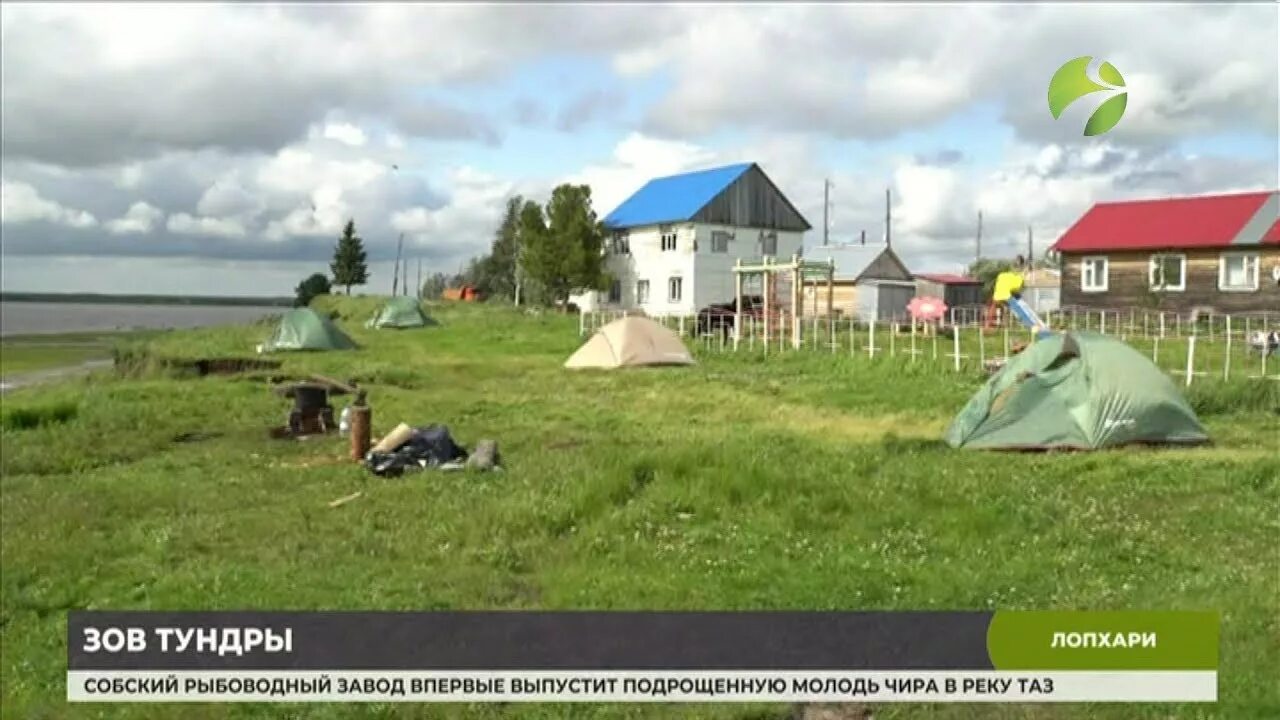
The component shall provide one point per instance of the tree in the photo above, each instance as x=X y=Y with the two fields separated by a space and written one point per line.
x=316 y=284
x=563 y=246
x=433 y=287
x=495 y=275
x=348 y=266
x=986 y=270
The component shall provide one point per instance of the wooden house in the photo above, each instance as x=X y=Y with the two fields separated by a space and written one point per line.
x=1218 y=253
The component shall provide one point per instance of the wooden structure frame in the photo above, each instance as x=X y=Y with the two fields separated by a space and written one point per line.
x=768 y=270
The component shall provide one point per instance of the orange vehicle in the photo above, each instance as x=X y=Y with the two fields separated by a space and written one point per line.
x=466 y=293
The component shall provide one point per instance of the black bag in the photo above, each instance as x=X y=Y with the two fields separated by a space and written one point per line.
x=429 y=446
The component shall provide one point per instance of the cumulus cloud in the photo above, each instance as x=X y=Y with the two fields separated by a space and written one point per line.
x=269 y=144
x=22 y=203
x=138 y=220
x=344 y=133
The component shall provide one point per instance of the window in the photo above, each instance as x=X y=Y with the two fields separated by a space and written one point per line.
x=720 y=241
x=621 y=243
x=769 y=243
x=615 y=292
x=1238 y=271
x=1093 y=274
x=675 y=288
x=642 y=292
x=669 y=240
x=1168 y=272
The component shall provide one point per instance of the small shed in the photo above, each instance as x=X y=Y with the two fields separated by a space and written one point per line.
x=871 y=282
x=955 y=290
x=1041 y=289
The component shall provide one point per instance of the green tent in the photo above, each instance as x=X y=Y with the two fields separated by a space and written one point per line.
x=400 y=312
x=1076 y=390
x=306 y=329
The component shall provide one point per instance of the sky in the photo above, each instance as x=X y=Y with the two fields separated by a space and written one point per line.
x=218 y=149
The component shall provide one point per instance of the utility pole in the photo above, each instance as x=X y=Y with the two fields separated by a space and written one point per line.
x=888 y=241
x=826 y=207
x=1030 y=250
x=418 y=294
x=395 y=275
x=978 y=253
x=864 y=237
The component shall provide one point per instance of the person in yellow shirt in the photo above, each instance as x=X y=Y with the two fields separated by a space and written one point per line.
x=1009 y=283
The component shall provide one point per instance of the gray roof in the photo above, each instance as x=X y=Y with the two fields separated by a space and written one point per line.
x=851 y=260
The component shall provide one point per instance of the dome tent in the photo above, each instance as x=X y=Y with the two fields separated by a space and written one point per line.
x=630 y=342
x=1076 y=391
x=306 y=329
x=400 y=312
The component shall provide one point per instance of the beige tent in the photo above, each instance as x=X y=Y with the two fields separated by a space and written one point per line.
x=628 y=342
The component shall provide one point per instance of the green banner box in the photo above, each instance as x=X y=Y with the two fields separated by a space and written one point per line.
x=1103 y=640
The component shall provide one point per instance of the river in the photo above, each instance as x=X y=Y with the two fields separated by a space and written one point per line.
x=31 y=318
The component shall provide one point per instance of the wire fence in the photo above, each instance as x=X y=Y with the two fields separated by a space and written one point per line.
x=1207 y=347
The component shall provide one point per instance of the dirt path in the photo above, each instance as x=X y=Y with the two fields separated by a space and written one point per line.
x=14 y=382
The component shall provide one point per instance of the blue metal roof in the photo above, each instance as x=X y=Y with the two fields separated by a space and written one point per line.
x=676 y=198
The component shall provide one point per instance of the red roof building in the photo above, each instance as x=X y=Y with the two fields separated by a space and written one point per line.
x=955 y=290
x=1212 y=252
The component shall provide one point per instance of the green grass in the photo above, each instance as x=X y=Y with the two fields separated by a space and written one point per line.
x=20 y=354
x=797 y=481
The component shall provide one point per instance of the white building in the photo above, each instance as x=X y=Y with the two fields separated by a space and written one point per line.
x=672 y=245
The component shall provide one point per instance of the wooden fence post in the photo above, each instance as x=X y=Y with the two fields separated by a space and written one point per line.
x=871 y=339
x=955 y=344
x=1226 y=366
x=1191 y=358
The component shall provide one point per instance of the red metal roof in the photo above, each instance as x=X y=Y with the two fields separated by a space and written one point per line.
x=1209 y=221
x=948 y=279
x=1273 y=235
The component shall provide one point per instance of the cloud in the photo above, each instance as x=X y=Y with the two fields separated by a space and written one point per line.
x=289 y=67
x=22 y=203
x=589 y=107
x=184 y=224
x=259 y=150
x=344 y=133
x=139 y=220
x=439 y=121
x=465 y=224
x=876 y=71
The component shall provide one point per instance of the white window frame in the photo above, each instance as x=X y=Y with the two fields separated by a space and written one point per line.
x=720 y=241
x=642 y=292
x=1249 y=258
x=1151 y=272
x=675 y=289
x=669 y=238
x=1095 y=287
x=622 y=243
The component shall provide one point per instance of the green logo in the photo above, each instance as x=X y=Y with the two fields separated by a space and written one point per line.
x=1072 y=82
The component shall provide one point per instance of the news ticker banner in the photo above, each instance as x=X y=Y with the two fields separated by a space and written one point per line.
x=1005 y=656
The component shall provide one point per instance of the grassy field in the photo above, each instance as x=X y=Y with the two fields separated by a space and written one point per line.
x=798 y=481
x=20 y=354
